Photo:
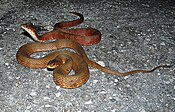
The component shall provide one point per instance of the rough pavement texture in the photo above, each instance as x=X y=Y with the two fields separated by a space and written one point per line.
x=135 y=35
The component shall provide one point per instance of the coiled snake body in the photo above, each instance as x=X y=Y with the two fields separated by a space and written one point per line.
x=63 y=61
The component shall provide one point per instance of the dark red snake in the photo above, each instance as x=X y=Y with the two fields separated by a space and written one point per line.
x=84 y=36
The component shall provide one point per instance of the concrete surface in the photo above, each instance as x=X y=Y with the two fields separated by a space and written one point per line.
x=135 y=35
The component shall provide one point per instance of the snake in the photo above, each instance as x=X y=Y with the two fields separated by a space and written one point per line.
x=63 y=61
x=84 y=36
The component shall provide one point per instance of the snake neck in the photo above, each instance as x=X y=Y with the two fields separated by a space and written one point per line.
x=29 y=29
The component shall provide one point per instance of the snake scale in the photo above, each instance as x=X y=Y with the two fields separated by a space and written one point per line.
x=64 y=61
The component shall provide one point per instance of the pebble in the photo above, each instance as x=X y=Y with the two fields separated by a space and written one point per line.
x=33 y=93
x=95 y=81
x=162 y=43
x=27 y=111
x=47 y=106
x=7 y=64
x=115 y=80
x=126 y=77
x=101 y=63
x=88 y=102
x=18 y=77
x=46 y=98
x=58 y=94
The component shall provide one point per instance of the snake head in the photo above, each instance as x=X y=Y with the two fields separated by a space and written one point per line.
x=32 y=31
x=54 y=63
x=28 y=28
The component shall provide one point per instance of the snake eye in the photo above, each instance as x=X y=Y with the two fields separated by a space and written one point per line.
x=53 y=64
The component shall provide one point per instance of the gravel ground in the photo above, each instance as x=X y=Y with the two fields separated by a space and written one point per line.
x=135 y=35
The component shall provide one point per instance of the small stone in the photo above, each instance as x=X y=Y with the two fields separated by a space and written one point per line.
x=88 y=102
x=116 y=80
x=16 y=84
x=95 y=81
x=33 y=93
x=162 y=43
x=47 y=106
x=158 y=74
x=57 y=87
x=101 y=63
x=57 y=94
x=18 y=77
x=118 y=26
x=173 y=99
x=126 y=77
x=47 y=86
x=27 y=111
x=46 y=98
x=128 y=85
x=7 y=64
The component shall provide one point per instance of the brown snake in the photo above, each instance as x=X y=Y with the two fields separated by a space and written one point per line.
x=63 y=61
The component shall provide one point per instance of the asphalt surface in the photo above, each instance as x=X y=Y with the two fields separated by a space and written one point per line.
x=135 y=35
